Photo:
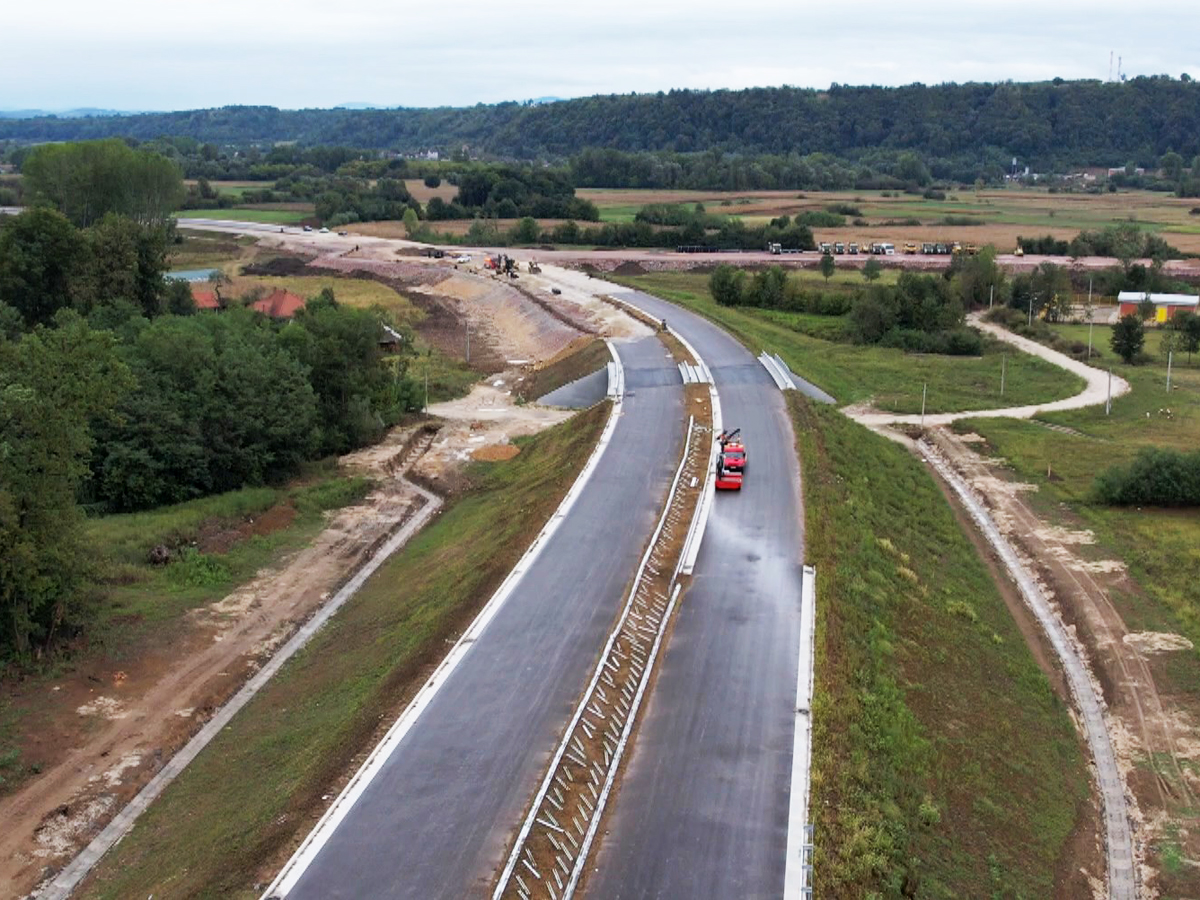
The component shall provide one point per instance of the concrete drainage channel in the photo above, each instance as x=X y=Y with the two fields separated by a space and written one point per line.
x=552 y=846
x=1122 y=870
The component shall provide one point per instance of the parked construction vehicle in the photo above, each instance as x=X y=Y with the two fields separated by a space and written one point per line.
x=534 y=268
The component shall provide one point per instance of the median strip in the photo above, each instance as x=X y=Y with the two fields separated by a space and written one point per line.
x=552 y=846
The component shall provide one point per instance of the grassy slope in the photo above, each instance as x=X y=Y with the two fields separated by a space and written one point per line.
x=943 y=765
x=256 y=788
x=1160 y=547
x=854 y=373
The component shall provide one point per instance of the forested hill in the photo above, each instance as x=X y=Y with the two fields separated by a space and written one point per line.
x=1042 y=124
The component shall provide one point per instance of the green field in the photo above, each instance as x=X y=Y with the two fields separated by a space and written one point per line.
x=1001 y=215
x=891 y=379
x=231 y=818
x=249 y=214
x=943 y=764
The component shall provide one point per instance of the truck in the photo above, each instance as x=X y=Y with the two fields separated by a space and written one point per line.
x=775 y=247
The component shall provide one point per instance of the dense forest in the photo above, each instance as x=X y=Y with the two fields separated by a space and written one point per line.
x=1045 y=125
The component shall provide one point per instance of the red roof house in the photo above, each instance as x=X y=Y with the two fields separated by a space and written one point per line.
x=205 y=300
x=279 y=304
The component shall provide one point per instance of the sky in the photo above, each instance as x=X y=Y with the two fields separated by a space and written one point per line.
x=138 y=55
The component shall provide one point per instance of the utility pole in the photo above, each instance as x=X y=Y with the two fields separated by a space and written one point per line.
x=1170 y=354
x=924 y=390
x=1091 y=318
x=468 y=342
x=1003 y=371
x=1031 y=310
x=1108 y=401
x=991 y=296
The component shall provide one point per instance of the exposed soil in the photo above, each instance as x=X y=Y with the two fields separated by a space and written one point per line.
x=217 y=536
x=1155 y=726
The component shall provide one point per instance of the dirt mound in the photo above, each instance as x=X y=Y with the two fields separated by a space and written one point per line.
x=629 y=268
x=279 y=266
x=496 y=452
x=219 y=536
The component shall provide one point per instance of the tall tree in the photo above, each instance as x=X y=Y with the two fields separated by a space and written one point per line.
x=1128 y=338
x=41 y=254
x=52 y=383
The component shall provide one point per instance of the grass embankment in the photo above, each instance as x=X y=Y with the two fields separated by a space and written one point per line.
x=219 y=542
x=943 y=764
x=580 y=358
x=236 y=811
x=891 y=379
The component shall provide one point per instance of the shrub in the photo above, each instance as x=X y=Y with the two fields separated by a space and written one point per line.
x=934 y=194
x=844 y=209
x=1156 y=477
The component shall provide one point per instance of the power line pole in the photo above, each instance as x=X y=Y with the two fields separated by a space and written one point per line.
x=1170 y=355
x=924 y=390
x=1003 y=371
x=1091 y=318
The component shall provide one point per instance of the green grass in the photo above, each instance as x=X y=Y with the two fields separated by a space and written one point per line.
x=137 y=595
x=234 y=813
x=892 y=379
x=943 y=764
x=249 y=214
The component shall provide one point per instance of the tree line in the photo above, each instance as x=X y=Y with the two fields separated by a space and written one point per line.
x=1047 y=125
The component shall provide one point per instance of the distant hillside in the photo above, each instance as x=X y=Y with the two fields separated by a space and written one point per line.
x=1042 y=124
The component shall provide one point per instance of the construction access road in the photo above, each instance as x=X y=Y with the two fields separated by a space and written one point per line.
x=435 y=818
x=703 y=807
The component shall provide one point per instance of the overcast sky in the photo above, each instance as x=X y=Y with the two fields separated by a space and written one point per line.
x=132 y=54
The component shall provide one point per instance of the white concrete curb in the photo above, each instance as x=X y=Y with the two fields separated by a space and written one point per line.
x=295 y=867
x=69 y=878
x=777 y=373
x=799 y=862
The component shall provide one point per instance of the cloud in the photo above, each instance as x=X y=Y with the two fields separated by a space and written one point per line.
x=137 y=55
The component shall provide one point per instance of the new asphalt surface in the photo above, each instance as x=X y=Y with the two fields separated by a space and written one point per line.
x=703 y=806
x=435 y=821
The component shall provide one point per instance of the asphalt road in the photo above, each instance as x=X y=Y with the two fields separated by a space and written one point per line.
x=703 y=806
x=436 y=820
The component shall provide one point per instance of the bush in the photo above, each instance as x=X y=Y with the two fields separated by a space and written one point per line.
x=433 y=181
x=1156 y=477
x=819 y=219
x=934 y=194
x=844 y=209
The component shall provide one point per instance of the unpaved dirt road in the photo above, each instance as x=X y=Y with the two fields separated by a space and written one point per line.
x=1100 y=386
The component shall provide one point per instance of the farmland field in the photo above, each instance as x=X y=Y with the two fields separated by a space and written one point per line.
x=1002 y=214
